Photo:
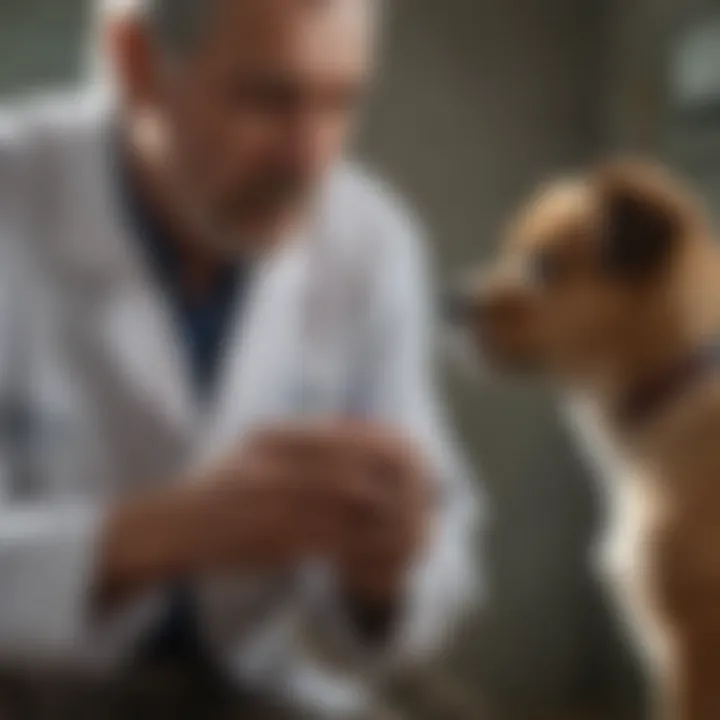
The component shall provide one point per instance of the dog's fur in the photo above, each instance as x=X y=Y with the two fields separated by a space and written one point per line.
x=608 y=282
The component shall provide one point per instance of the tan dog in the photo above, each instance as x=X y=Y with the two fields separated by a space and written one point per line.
x=609 y=283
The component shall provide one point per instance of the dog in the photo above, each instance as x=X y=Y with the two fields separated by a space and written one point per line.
x=608 y=285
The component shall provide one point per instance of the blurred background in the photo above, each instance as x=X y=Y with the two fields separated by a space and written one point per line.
x=479 y=100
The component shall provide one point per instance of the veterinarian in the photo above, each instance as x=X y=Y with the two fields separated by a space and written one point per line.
x=220 y=443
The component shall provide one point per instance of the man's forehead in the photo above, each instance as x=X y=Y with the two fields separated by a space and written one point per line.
x=340 y=12
x=327 y=30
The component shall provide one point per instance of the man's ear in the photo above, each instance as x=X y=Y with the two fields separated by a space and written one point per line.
x=642 y=222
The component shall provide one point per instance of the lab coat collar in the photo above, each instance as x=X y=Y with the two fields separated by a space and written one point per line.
x=138 y=321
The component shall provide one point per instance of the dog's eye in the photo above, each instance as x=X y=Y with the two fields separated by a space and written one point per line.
x=546 y=268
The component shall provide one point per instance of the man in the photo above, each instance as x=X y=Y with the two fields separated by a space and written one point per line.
x=219 y=433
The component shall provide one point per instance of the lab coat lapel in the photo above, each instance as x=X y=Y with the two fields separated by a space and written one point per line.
x=261 y=351
x=137 y=339
x=142 y=355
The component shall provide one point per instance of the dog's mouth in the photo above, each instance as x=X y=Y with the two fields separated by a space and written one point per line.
x=491 y=338
x=459 y=308
x=459 y=342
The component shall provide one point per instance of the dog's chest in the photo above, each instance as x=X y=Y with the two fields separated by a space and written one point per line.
x=627 y=562
x=624 y=556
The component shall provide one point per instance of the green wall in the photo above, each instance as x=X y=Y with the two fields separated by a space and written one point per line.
x=41 y=42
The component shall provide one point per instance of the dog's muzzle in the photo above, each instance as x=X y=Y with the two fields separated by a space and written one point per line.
x=459 y=342
x=458 y=308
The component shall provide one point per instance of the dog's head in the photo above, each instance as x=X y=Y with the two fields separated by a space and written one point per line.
x=586 y=260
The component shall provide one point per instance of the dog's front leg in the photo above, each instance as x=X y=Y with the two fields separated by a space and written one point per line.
x=698 y=681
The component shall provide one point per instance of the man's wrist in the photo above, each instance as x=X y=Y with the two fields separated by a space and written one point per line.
x=146 y=543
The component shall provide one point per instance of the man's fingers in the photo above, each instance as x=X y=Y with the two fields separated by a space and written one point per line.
x=362 y=442
x=357 y=484
x=301 y=443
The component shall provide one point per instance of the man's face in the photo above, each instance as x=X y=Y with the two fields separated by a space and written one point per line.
x=255 y=112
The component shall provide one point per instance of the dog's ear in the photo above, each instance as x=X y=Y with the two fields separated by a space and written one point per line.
x=642 y=220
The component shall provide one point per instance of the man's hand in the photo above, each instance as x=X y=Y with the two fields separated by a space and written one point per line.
x=385 y=527
x=352 y=493
x=387 y=515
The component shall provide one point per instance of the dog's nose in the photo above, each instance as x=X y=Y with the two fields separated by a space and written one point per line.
x=458 y=306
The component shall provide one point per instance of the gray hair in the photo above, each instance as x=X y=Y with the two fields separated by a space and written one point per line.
x=176 y=23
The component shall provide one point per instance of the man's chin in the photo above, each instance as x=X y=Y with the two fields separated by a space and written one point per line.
x=254 y=237
x=267 y=232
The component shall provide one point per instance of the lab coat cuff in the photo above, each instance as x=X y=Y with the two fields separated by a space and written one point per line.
x=371 y=646
x=67 y=627
x=442 y=588
x=49 y=556
x=112 y=637
x=406 y=636
x=438 y=589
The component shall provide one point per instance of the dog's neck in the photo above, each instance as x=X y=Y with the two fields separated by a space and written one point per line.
x=662 y=348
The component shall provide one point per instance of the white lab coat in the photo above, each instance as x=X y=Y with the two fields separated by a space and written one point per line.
x=97 y=402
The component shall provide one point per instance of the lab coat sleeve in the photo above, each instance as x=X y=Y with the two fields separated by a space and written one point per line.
x=49 y=541
x=48 y=561
x=396 y=386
